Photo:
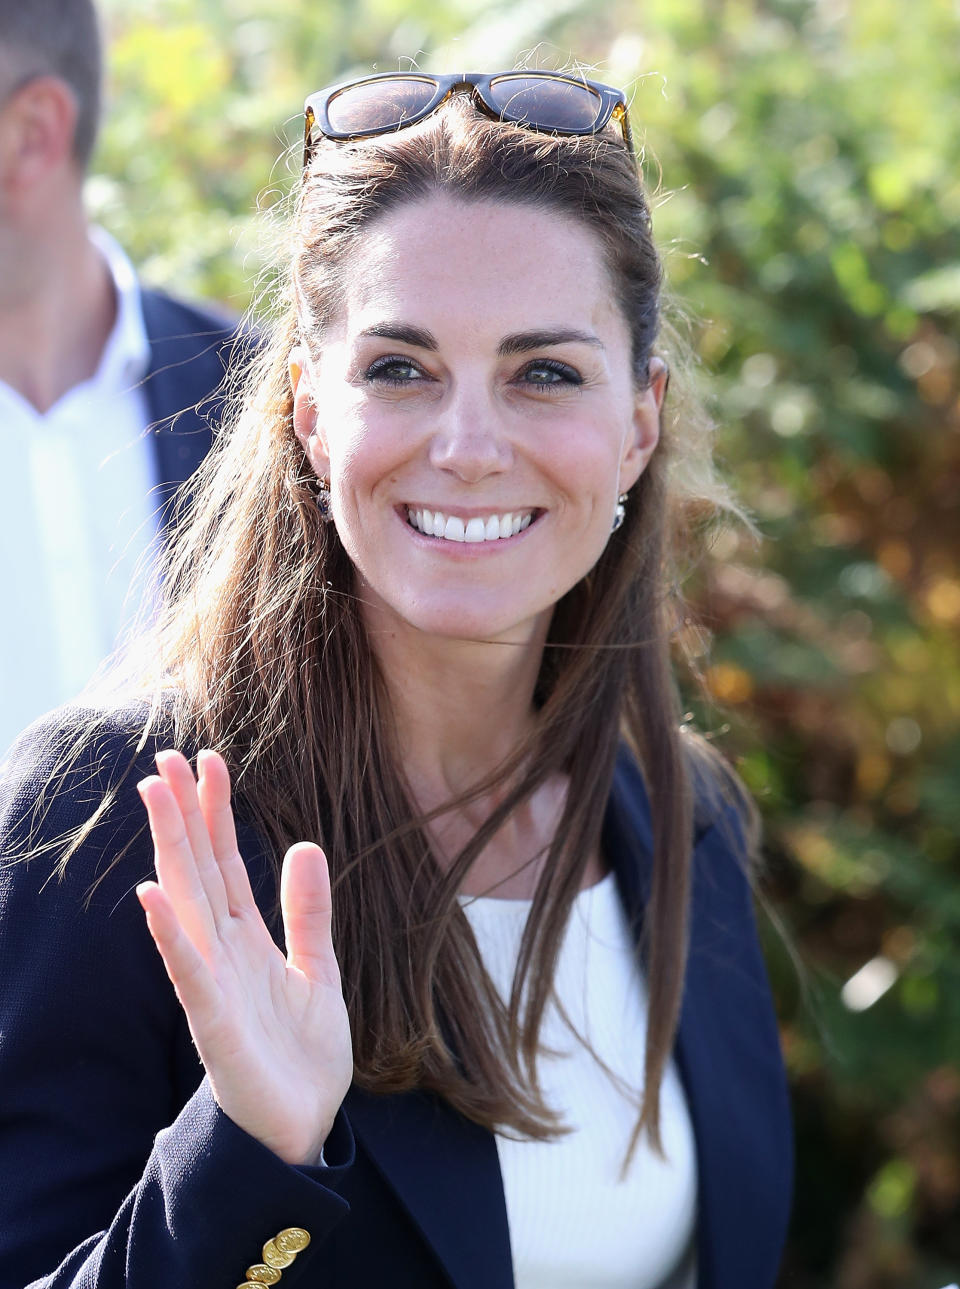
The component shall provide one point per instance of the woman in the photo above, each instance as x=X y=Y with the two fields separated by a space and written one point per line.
x=421 y=615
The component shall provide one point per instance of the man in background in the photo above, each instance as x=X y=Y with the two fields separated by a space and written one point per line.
x=94 y=375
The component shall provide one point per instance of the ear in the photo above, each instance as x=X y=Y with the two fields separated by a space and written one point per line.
x=305 y=413
x=645 y=435
x=36 y=128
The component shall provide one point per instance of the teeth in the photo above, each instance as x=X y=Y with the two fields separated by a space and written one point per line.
x=434 y=523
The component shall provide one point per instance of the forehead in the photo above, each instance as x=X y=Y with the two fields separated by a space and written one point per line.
x=491 y=265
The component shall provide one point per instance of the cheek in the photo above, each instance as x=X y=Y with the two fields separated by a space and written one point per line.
x=587 y=460
x=339 y=424
x=363 y=456
x=345 y=434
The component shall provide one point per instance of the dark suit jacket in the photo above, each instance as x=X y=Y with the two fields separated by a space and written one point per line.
x=118 y=1169
x=190 y=349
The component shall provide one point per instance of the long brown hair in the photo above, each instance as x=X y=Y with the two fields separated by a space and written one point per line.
x=264 y=643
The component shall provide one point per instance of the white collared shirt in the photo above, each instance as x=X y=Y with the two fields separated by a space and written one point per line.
x=77 y=518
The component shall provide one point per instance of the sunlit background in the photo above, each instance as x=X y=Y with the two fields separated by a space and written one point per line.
x=808 y=161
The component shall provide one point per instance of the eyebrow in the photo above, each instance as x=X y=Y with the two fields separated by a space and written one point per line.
x=403 y=331
x=520 y=342
x=523 y=341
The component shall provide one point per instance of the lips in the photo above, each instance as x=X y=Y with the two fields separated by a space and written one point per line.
x=454 y=528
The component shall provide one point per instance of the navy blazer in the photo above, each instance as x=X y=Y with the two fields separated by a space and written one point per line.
x=117 y=1168
x=190 y=350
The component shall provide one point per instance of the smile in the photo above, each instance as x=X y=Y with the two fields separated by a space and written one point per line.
x=451 y=528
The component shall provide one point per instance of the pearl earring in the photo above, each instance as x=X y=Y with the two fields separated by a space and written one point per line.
x=323 y=500
x=620 y=514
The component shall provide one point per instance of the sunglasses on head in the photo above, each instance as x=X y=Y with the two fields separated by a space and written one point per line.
x=553 y=102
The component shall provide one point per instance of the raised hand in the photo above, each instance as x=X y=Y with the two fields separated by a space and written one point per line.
x=272 y=1033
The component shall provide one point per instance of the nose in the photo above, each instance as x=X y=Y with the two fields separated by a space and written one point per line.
x=471 y=439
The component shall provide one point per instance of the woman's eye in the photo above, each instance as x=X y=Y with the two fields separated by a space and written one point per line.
x=550 y=374
x=393 y=371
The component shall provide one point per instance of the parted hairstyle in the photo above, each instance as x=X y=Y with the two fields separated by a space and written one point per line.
x=56 y=38
x=263 y=643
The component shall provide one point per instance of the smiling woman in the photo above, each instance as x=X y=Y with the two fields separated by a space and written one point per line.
x=467 y=380
x=510 y=1026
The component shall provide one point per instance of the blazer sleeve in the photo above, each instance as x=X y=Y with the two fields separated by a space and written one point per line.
x=117 y=1168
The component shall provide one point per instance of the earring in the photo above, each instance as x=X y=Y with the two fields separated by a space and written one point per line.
x=323 y=500
x=620 y=514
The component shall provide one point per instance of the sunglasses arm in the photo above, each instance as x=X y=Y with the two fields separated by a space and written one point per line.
x=309 y=120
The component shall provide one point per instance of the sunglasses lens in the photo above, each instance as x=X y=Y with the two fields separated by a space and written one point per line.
x=375 y=106
x=546 y=103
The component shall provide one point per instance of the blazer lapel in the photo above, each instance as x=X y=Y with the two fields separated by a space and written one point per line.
x=727 y=1051
x=446 y=1172
x=445 y=1169
x=182 y=390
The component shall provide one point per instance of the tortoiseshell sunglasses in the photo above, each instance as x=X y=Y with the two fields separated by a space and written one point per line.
x=553 y=102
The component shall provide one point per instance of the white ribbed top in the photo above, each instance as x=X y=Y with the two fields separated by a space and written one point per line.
x=573 y=1221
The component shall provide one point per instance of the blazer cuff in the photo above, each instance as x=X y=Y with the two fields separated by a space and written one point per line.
x=227 y=1197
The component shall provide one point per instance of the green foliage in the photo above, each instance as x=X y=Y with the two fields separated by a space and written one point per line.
x=807 y=160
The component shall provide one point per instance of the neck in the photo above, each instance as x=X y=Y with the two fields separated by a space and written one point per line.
x=462 y=708
x=57 y=302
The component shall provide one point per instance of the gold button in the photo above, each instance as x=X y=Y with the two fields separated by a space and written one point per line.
x=293 y=1240
x=261 y=1274
x=275 y=1257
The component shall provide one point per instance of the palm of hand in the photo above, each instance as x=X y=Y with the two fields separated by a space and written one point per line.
x=272 y=1033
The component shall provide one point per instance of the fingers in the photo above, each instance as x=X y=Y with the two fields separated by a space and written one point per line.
x=307 y=913
x=213 y=790
x=176 y=863
x=175 y=771
x=191 y=977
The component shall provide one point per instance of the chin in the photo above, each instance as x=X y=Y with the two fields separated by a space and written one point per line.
x=450 y=619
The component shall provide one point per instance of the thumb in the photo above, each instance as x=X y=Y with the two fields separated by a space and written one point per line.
x=307 y=913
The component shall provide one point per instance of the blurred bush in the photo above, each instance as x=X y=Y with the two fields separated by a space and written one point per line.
x=807 y=155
